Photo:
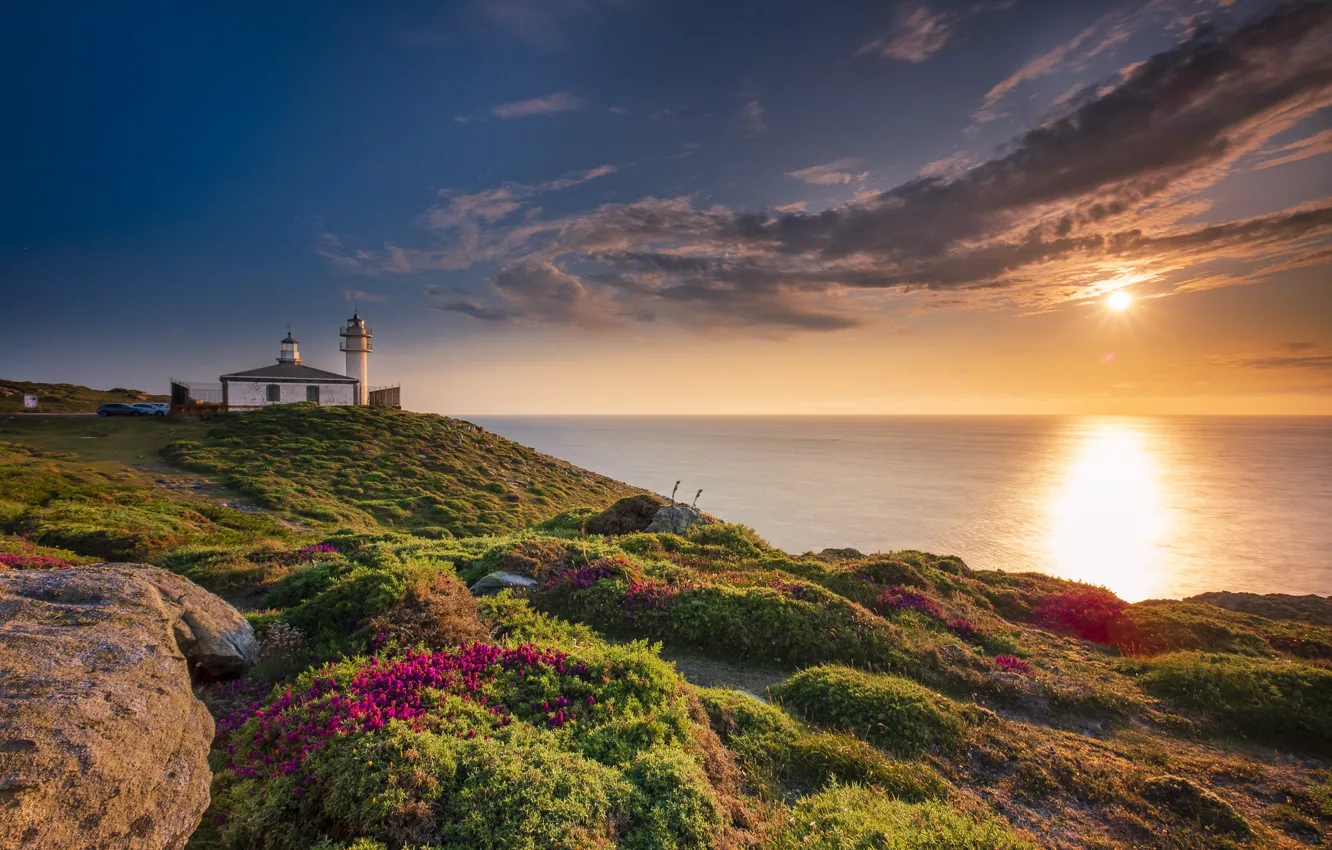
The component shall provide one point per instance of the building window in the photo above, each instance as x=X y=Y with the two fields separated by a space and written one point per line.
x=312 y=394
x=274 y=392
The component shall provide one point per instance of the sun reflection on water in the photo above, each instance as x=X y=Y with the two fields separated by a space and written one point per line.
x=1107 y=516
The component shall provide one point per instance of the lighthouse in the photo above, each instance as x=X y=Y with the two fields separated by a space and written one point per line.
x=356 y=343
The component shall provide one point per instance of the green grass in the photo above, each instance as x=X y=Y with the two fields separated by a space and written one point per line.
x=888 y=711
x=1189 y=726
x=857 y=818
x=1274 y=702
x=369 y=468
x=113 y=513
x=66 y=398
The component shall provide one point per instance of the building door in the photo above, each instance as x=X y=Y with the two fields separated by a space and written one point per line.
x=312 y=393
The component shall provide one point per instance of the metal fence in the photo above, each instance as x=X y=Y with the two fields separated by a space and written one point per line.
x=386 y=397
x=185 y=393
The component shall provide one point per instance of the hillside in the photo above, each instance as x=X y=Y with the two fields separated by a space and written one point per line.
x=67 y=398
x=368 y=467
x=900 y=700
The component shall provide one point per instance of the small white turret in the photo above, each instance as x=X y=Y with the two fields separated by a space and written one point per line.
x=290 y=351
x=356 y=343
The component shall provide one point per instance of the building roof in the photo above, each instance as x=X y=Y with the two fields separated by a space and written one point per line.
x=290 y=372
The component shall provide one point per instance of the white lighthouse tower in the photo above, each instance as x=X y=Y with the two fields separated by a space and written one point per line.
x=356 y=342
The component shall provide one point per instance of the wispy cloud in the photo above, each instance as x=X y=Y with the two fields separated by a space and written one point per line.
x=560 y=101
x=830 y=173
x=1104 y=35
x=918 y=32
x=546 y=23
x=751 y=120
x=1316 y=145
x=1292 y=355
x=1111 y=190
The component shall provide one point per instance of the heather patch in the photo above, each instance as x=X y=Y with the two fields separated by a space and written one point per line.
x=1090 y=613
x=420 y=731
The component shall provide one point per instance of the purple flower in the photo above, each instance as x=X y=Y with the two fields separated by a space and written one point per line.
x=898 y=598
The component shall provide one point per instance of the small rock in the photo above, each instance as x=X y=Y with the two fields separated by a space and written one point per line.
x=495 y=582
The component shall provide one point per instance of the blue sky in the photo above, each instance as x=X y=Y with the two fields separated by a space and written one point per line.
x=511 y=187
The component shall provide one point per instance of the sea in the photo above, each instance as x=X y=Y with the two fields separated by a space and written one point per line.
x=1148 y=507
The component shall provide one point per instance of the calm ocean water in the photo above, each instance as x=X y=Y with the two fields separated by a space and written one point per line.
x=1149 y=507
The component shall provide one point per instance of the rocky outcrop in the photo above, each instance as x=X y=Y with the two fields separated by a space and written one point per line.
x=677 y=519
x=840 y=554
x=102 y=742
x=630 y=514
x=493 y=583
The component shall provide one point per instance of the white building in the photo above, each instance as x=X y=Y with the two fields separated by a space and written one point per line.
x=288 y=381
x=292 y=381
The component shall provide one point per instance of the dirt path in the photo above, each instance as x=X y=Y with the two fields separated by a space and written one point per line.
x=711 y=673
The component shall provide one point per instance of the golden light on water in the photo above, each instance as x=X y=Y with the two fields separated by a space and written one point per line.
x=1119 y=301
x=1106 y=517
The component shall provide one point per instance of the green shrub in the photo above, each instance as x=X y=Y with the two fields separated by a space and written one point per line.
x=888 y=711
x=857 y=818
x=814 y=759
x=1274 y=702
x=672 y=805
x=778 y=754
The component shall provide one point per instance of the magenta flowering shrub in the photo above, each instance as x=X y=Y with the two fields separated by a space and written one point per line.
x=966 y=630
x=278 y=737
x=898 y=598
x=645 y=597
x=1090 y=614
x=314 y=550
x=32 y=562
x=1012 y=664
x=581 y=578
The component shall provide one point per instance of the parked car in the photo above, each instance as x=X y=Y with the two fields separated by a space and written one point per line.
x=152 y=408
x=117 y=410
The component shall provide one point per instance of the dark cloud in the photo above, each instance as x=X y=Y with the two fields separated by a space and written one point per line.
x=1100 y=192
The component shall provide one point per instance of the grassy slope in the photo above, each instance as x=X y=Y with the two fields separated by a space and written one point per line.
x=367 y=467
x=67 y=398
x=1181 y=726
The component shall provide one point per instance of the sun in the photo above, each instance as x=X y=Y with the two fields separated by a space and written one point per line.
x=1119 y=301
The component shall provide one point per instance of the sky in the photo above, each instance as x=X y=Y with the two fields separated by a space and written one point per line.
x=642 y=206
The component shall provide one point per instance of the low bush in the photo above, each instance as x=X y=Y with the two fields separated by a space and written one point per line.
x=1089 y=613
x=1274 y=702
x=778 y=755
x=852 y=817
x=482 y=746
x=888 y=711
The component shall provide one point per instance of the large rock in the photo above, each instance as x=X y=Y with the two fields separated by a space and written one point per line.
x=102 y=742
x=677 y=519
x=493 y=583
x=630 y=514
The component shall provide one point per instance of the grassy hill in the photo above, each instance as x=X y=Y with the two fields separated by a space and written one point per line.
x=900 y=700
x=67 y=398
x=368 y=467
